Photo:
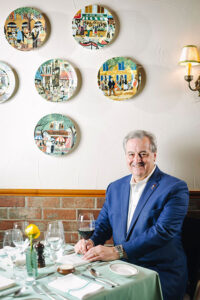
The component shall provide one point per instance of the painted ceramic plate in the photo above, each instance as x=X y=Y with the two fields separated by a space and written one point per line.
x=25 y=28
x=56 y=80
x=55 y=134
x=7 y=82
x=93 y=27
x=119 y=78
x=123 y=269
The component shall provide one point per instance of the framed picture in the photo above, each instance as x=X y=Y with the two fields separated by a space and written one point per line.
x=25 y=28
x=55 y=134
x=119 y=78
x=93 y=27
x=7 y=82
x=56 y=80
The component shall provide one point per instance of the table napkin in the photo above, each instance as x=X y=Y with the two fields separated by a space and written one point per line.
x=76 y=286
x=6 y=282
x=72 y=259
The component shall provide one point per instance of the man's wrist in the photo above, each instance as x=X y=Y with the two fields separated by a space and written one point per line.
x=120 y=250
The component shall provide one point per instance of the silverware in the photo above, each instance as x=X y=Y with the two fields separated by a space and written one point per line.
x=98 y=280
x=47 y=290
x=44 y=275
x=97 y=274
x=10 y=292
x=41 y=292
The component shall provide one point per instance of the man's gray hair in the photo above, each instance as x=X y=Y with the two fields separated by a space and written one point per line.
x=140 y=134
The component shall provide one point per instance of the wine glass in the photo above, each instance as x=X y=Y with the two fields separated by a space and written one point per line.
x=23 y=242
x=9 y=248
x=86 y=225
x=54 y=238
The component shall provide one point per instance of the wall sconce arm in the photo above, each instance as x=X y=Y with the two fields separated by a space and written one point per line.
x=189 y=78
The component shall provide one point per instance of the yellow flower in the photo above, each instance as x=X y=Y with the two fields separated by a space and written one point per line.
x=32 y=231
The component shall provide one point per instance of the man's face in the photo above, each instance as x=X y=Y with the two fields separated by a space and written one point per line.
x=140 y=159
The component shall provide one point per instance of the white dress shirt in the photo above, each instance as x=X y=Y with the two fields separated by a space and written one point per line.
x=136 y=189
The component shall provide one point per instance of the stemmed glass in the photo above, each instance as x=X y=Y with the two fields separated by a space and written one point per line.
x=54 y=239
x=86 y=225
x=20 y=239
x=9 y=248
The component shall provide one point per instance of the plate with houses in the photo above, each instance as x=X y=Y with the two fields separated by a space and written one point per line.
x=93 y=27
x=56 y=80
x=25 y=28
x=7 y=82
x=55 y=134
x=119 y=78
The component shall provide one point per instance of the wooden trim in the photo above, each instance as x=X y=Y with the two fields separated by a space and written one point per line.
x=52 y=193
x=65 y=193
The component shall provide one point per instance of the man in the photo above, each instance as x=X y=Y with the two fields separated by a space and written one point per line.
x=144 y=213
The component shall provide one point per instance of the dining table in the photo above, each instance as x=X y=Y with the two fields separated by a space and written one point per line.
x=142 y=283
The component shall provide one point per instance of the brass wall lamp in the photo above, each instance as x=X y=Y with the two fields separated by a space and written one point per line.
x=190 y=57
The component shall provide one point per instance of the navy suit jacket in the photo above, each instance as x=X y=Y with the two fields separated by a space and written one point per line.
x=154 y=236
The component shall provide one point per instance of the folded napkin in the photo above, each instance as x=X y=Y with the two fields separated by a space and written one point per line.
x=6 y=282
x=73 y=259
x=76 y=286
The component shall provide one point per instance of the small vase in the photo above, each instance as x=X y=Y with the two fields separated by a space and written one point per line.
x=31 y=264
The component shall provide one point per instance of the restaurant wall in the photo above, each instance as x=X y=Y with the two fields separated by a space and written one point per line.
x=150 y=32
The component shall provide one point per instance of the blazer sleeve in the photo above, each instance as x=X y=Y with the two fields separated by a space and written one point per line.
x=103 y=229
x=166 y=227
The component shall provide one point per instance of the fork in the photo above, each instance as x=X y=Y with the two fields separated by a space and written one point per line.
x=41 y=292
x=47 y=290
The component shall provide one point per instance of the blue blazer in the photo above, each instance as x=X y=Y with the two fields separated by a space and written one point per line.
x=154 y=236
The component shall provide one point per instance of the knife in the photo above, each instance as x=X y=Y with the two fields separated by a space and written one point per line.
x=98 y=280
x=44 y=275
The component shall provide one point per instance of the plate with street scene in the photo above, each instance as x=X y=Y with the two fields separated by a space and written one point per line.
x=56 y=80
x=93 y=27
x=7 y=82
x=55 y=134
x=119 y=78
x=25 y=28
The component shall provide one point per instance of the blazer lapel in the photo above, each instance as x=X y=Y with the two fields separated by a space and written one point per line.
x=149 y=189
x=125 y=191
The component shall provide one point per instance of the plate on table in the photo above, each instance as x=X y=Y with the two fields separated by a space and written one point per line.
x=25 y=28
x=123 y=269
x=7 y=82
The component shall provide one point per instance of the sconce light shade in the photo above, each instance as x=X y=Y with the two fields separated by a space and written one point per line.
x=190 y=55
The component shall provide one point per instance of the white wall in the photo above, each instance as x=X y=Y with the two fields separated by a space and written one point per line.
x=151 y=32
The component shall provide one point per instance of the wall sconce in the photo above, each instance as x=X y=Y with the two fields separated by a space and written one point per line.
x=190 y=57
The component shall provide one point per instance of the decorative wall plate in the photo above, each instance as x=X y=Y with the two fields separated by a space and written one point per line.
x=119 y=78
x=93 y=27
x=55 y=134
x=7 y=82
x=25 y=28
x=56 y=80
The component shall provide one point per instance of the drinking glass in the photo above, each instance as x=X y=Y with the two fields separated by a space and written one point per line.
x=86 y=225
x=24 y=243
x=54 y=239
x=9 y=248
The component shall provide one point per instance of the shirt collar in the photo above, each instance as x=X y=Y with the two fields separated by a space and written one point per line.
x=142 y=181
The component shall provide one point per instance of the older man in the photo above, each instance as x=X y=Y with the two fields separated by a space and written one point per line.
x=144 y=213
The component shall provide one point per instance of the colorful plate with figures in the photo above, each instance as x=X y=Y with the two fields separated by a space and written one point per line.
x=55 y=134
x=119 y=78
x=123 y=269
x=7 y=82
x=93 y=27
x=56 y=80
x=25 y=28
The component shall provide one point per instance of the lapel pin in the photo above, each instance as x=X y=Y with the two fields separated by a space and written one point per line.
x=153 y=186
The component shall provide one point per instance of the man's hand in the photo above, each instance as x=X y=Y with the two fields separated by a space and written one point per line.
x=83 y=246
x=101 y=253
